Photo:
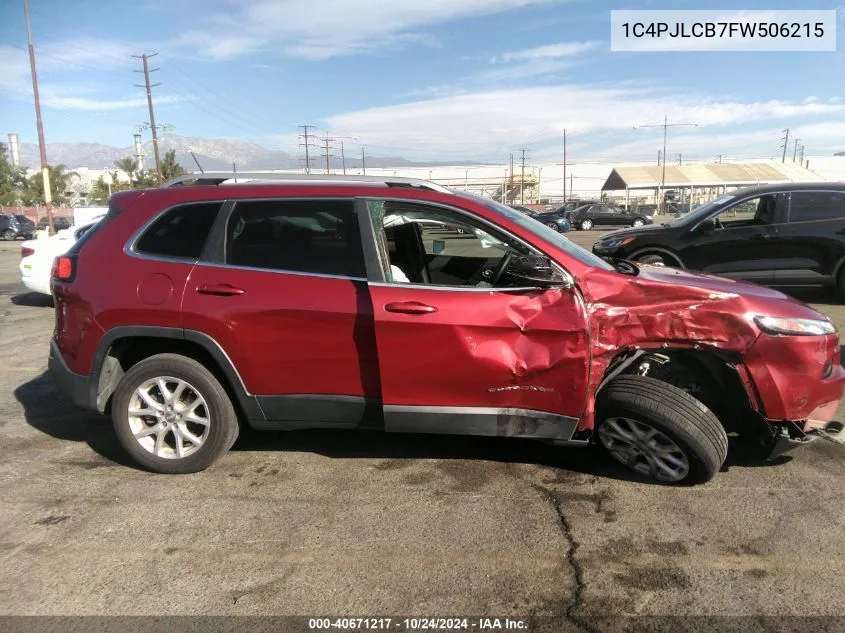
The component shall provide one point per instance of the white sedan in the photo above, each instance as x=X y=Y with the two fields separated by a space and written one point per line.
x=37 y=257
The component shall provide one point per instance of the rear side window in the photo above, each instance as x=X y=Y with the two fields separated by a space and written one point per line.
x=806 y=206
x=309 y=236
x=181 y=232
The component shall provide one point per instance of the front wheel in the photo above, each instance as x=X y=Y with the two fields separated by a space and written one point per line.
x=172 y=415
x=8 y=235
x=586 y=225
x=637 y=223
x=552 y=226
x=659 y=431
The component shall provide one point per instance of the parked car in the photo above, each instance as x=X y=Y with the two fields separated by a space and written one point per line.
x=37 y=257
x=192 y=309
x=554 y=220
x=60 y=222
x=777 y=235
x=590 y=215
x=13 y=227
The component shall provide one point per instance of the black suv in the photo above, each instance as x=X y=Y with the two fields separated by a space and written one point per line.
x=14 y=226
x=59 y=222
x=590 y=215
x=776 y=235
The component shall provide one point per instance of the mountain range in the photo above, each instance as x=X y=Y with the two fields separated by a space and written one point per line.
x=212 y=154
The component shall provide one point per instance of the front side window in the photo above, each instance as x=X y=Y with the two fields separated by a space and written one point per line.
x=423 y=244
x=760 y=211
x=807 y=206
x=181 y=232
x=308 y=236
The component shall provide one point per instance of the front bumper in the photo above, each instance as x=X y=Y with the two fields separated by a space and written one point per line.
x=72 y=385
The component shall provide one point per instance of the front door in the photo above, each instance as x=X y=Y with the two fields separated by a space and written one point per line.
x=464 y=347
x=741 y=242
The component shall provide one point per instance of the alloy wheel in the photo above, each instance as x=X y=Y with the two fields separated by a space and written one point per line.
x=552 y=226
x=169 y=417
x=644 y=449
x=638 y=223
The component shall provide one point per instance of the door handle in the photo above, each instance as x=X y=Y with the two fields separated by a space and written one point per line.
x=410 y=307
x=220 y=290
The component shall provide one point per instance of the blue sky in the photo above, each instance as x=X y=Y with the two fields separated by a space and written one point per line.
x=423 y=79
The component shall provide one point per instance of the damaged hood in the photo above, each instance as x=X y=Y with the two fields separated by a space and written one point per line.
x=758 y=298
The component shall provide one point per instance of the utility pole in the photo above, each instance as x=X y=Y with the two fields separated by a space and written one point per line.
x=147 y=85
x=326 y=140
x=665 y=125
x=720 y=159
x=522 y=181
x=343 y=157
x=785 y=140
x=802 y=154
x=659 y=157
x=363 y=161
x=680 y=159
x=564 y=166
x=42 y=146
x=795 y=151
x=307 y=145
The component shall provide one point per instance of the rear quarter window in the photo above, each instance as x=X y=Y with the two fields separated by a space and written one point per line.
x=180 y=232
x=808 y=206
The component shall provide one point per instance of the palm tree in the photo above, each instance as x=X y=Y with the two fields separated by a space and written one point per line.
x=60 y=180
x=127 y=164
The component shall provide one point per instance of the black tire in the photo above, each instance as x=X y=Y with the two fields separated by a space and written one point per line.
x=638 y=222
x=223 y=421
x=840 y=285
x=655 y=257
x=586 y=225
x=9 y=235
x=552 y=226
x=673 y=412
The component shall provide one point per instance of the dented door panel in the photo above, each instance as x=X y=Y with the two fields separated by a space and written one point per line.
x=480 y=353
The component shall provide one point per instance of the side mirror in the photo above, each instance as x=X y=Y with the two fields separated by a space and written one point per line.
x=707 y=226
x=534 y=270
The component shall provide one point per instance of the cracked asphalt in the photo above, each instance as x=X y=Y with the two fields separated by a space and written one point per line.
x=344 y=524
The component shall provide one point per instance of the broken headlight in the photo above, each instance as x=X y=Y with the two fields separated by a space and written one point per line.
x=794 y=327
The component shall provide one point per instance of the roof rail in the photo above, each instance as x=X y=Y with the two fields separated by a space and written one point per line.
x=263 y=177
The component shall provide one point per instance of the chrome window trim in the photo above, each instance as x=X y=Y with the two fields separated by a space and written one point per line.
x=567 y=276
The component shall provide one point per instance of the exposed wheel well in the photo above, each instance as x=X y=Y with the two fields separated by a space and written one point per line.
x=708 y=376
x=656 y=250
x=128 y=351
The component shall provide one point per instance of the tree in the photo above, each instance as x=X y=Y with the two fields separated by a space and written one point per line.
x=103 y=188
x=60 y=180
x=13 y=184
x=170 y=168
x=128 y=165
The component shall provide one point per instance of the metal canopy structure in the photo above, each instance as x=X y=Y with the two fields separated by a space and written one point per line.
x=628 y=177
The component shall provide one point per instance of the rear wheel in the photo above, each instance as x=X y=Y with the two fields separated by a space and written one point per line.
x=660 y=431
x=586 y=225
x=172 y=415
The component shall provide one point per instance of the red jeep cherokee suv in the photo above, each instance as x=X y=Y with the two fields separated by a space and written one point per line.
x=329 y=302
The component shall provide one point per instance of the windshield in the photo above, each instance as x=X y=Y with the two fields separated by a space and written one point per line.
x=538 y=228
x=701 y=212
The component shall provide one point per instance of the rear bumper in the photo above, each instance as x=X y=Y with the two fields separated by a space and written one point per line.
x=73 y=386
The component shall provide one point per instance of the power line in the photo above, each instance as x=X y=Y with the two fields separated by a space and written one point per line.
x=665 y=125
x=148 y=87
x=326 y=140
x=785 y=140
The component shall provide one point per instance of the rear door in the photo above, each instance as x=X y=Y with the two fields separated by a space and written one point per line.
x=284 y=294
x=813 y=239
x=457 y=351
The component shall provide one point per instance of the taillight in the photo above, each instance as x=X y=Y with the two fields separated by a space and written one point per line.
x=26 y=251
x=64 y=268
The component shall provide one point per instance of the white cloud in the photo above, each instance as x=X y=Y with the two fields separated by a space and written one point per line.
x=339 y=27
x=83 y=103
x=550 y=51
x=501 y=120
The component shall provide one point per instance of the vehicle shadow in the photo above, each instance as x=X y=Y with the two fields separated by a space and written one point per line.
x=32 y=300
x=46 y=410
